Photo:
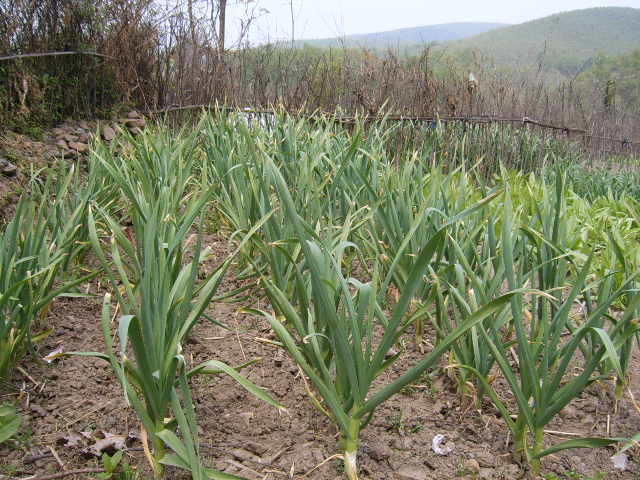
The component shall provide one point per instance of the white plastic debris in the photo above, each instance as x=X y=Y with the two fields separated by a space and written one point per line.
x=440 y=445
x=55 y=354
x=620 y=461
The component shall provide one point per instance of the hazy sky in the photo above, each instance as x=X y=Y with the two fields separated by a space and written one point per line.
x=328 y=18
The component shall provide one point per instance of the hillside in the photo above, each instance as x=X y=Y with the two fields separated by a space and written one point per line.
x=617 y=78
x=407 y=36
x=562 y=42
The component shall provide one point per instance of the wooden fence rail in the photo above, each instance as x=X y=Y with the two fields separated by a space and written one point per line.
x=633 y=147
x=51 y=54
x=588 y=139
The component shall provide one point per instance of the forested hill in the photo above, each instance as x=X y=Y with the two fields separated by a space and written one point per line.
x=562 y=41
x=407 y=36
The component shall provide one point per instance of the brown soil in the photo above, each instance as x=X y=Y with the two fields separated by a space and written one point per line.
x=72 y=404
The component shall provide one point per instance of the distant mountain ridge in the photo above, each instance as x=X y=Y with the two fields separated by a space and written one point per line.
x=565 y=42
x=562 y=41
x=407 y=36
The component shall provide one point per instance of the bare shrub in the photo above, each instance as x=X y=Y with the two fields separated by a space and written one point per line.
x=157 y=57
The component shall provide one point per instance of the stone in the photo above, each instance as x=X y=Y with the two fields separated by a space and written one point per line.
x=58 y=132
x=78 y=147
x=61 y=144
x=108 y=133
x=256 y=448
x=84 y=137
x=620 y=461
x=50 y=155
x=412 y=472
x=84 y=125
x=8 y=169
x=135 y=131
x=472 y=466
x=135 y=122
x=70 y=138
x=133 y=114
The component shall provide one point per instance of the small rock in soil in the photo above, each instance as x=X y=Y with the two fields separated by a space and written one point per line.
x=412 y=472
x=70 y=138
x=79 y=146
x=83 y=124
x=50 y=155
x=135 y=131
x=8 y=169
x=620 y=461
x=135 y=122
x=133 y=114
x=108 y=133
x=61 y=143
x=256 y=448
x=243 y=455
x=391 y=353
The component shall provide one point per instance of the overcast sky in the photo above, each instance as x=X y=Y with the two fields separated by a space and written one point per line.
x=329 y=18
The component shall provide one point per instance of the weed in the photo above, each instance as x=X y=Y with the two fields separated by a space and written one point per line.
x=9 y=470
x=111 y=463
x=399 y=425
x=461 y=470
x=424 y=384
